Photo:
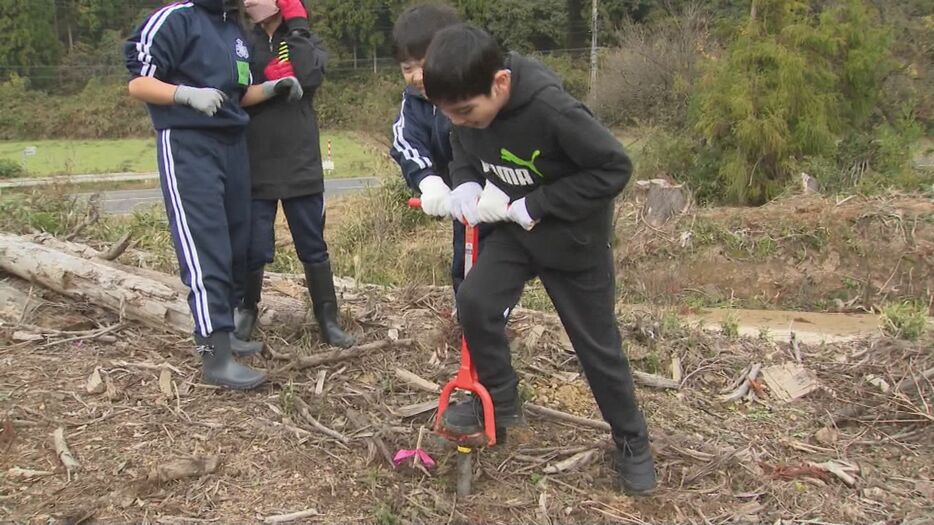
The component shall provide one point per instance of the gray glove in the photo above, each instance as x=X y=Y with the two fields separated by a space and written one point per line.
x=205 y=100
x=284 y=86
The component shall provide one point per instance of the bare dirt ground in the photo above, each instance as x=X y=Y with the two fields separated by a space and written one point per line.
x=801 y=252
x=157 y=446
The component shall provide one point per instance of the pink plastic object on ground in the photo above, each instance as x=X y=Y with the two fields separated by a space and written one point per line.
x=423 y=457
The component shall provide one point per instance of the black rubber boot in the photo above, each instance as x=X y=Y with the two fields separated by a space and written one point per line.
x=320 y=284
x=635 y=465
x=466 y=418
x=219 y=367
x=241 y=348
x=246 y=313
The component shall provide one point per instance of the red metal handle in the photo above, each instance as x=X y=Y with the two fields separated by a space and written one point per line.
x=466 y=378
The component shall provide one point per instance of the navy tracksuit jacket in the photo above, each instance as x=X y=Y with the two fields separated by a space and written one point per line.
x=202 y=160
x=421 y=147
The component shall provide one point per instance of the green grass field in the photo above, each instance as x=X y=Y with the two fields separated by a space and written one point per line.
x=77 y=157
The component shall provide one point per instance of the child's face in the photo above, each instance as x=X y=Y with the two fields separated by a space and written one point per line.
x=480 y=111
x=412 y=72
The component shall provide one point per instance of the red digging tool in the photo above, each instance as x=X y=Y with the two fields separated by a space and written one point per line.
x=466 y=379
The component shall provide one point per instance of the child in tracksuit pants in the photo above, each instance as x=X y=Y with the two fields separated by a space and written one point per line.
x=190 y=64
x=421 y=143
x=552 y=173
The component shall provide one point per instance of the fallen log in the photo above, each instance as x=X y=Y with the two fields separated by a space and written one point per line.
x=78 y=271
x=144 y=300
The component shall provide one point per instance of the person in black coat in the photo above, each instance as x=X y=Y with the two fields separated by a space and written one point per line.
x=285 y=163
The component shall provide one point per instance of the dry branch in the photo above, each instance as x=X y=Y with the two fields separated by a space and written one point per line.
x=192 y=467
x=579 y=460
x=63 y=453
x=319 y=382
x=565 y=417
x=294 y=516
x=719 y=463
x=117 y=249
x=909 y=382
x=655 y=381
x=414 y=409
x=305 y=412
x=94 y=335
x=845 y=471
x=24 y=474
x=416 y=381
x=339 y=355
x=677 y=370
x=744 y=385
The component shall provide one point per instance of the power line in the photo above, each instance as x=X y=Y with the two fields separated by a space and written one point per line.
x=362 y=59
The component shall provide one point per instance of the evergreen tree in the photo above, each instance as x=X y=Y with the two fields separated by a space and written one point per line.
x=27 y=36
x=791 y=85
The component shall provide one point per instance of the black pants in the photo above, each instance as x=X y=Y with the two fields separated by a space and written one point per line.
x=579 y=279
x=206 y=187
x=306 y=222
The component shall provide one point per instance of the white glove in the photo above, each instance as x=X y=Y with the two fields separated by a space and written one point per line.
x=205 y=100
x=493 y=205
x=464 y=203
x=436 y=196
x=519 y=214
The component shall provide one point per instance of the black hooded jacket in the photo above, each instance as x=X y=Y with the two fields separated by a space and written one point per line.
x=283 y=137
x=546 y=146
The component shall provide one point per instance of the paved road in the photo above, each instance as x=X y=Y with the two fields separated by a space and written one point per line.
x=125 y=201
x=30 y=182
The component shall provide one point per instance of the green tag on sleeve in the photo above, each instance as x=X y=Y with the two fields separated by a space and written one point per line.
x=243 y=73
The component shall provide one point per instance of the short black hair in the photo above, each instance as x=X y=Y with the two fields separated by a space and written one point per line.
x=417 y=26
x=461 y=63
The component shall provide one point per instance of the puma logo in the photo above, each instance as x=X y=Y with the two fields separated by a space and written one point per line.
x=511 y=176
x=509 y=156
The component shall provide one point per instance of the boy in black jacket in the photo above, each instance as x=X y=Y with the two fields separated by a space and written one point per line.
x=516 y=128
x=285 y=163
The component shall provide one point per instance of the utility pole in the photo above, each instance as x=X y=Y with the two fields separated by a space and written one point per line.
x=593 y=54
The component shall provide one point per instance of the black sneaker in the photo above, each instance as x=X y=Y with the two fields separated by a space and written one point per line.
x=636 y=467
x=466 y=417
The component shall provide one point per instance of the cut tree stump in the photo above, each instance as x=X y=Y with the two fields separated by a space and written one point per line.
x=665 y=201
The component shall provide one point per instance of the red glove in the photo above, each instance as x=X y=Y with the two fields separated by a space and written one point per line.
x=277 y=69
x=291 y=9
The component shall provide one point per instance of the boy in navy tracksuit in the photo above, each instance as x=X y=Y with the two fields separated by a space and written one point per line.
x=421 y=134
x=560 y=170
x=190 y=64
x=285 y=163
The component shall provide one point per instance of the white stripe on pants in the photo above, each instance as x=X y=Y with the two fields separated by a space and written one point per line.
x=186 y=242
